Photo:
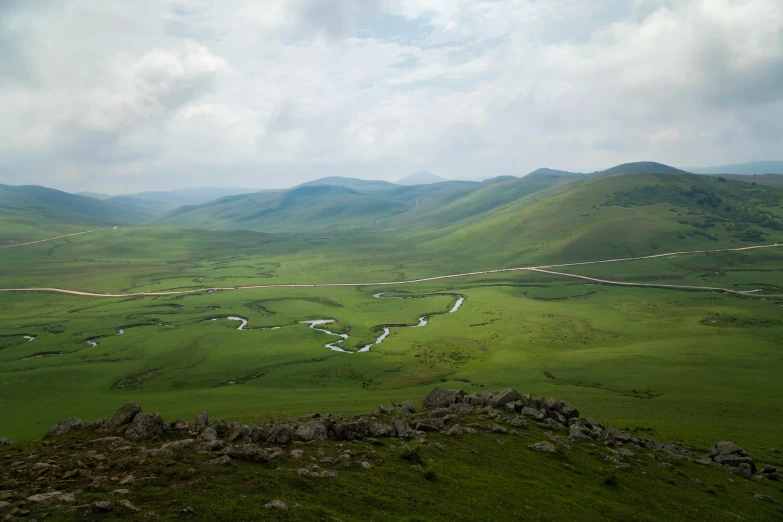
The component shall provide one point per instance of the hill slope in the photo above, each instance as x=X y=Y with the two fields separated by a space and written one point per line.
x=31 y=212
x=614 y=216
x=359 y=185
x=190 y=196
x=753 y=167
x=93 y=195
x=421 y=178
x=639 y=167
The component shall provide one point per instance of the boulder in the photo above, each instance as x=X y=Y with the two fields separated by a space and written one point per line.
x=123 y=416
x=317 y=429
x=277 y=505
x=6 y=442
x=55 y=497
x=509 y=395
x=729 y=454
x=557 y=416
x=68 y=426
x=551 y=424
x=724 y=447
x=454 y=431
x=428 y=424
x=577 y=432
x=102 y=506
x=460 y=408
x=224 y=460
x=145 y=426
x=401 y=427
x=249 y=452
x=405 y=407
x=181 y=446
x=765 y=498
x=519 y=422
x=439 y=398
x=543 y=447
x=537 y=415
x=201 y=421
x=743 y=470
x=378 y=429
x=567 y=410
x=735 y=461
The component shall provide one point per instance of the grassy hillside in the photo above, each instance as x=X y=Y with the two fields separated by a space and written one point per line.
x=620 y=216
x=93 y=195
x=33 y=212
x=773 y=180
x=143 y=209
x=639 y=167
x=190 y=196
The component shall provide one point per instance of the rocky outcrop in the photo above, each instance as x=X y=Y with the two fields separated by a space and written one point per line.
x=439 y=398
x=123 y=416
x=68 y=426
x=145 y=426
x=729 y=454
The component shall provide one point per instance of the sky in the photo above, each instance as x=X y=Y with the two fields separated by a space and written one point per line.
x=123 y=96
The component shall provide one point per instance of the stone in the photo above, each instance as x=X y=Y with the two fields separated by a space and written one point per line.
x=543 y=447
x=123 y=416
x=497 y=428
x=122 y=492
x=724 y=447
x=550 y=424
x=181 y=446
x=378 y=429
x=366 y=465
x=317 y=429
x=55 y=497
x=735 y=460
x=277 y=504
x=768 y=470
x=557 y=416
x=68 y=426
x=401 y=427
x=208 y=435
x=201 y=422
x=506 y=396
x=765 y=498
x=102 y=506
x=519 y=422
x=145 y=426
x=537 y=415
x=405 y=407
x=743 y=470
x=223 y=460
x=249 y=452
x=461 y=408
x=6 y=442
x=615 y=434
x=428 y=424
x=703 y=462
x=567 y=410
x=577 y=432
x=127 y=504
x=439 y=398
x=454 y=431
x=179 y=425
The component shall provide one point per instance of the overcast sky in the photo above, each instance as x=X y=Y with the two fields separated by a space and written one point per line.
x=121 y=96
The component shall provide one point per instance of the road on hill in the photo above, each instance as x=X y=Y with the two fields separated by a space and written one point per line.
x=539 y=269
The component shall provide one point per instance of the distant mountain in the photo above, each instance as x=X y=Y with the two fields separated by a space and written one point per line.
x=93 y=195
x=553 y=172
x=191 y=196
x=361 y=185
x=753 y=167
x=143 y=209
x=639 y=167
x=421 y=178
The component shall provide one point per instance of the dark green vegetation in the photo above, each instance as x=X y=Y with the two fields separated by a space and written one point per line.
x=773 y=180
x=477 y=476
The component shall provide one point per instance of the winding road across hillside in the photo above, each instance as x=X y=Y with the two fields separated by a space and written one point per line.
x=49 y=239
x=540 y=269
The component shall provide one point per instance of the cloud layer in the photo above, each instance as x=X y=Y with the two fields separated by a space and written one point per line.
x=120 y=96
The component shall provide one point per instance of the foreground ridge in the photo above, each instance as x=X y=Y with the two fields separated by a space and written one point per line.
x=136 y=462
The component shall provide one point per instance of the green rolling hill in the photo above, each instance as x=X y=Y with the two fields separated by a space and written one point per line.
x=359 y=185
x=639 y=167
x=31 y=212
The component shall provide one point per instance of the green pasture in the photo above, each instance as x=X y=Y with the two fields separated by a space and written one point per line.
x=644 y=359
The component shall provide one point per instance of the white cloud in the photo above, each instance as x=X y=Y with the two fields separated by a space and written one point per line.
x=108 y=95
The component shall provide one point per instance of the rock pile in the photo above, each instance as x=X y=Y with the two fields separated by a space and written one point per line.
x=451 y=412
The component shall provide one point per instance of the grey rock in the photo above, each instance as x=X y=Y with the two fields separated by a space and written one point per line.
x=127 y=504
x=768 y=470
x=537 y=415
x=497 y=428
x=743 y=470
x=6 y=442
x=734 y=460
x=765 y=498
x=550 y=424
x=55 y=497
x=181 y=445
x=724 y=447
x=378 y=429
x=439 y=398
x=317 y=429
x=223 y=460
x=567 y=410
x=519 y=422
x=508 y=395
x=557 y=416
x=401 y=427
x=68 y=426
x=461 y=408
x=277 y=504
x=102 y=507
x=249 y=452
x=543 y=447
x=405 y=407
x=145 y=426
x=577 y=432
x=454 y=431
x=201 y=422
x=124 y=415
x=428 y=424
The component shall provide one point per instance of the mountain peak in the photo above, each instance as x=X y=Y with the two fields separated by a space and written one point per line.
x=421 y=178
